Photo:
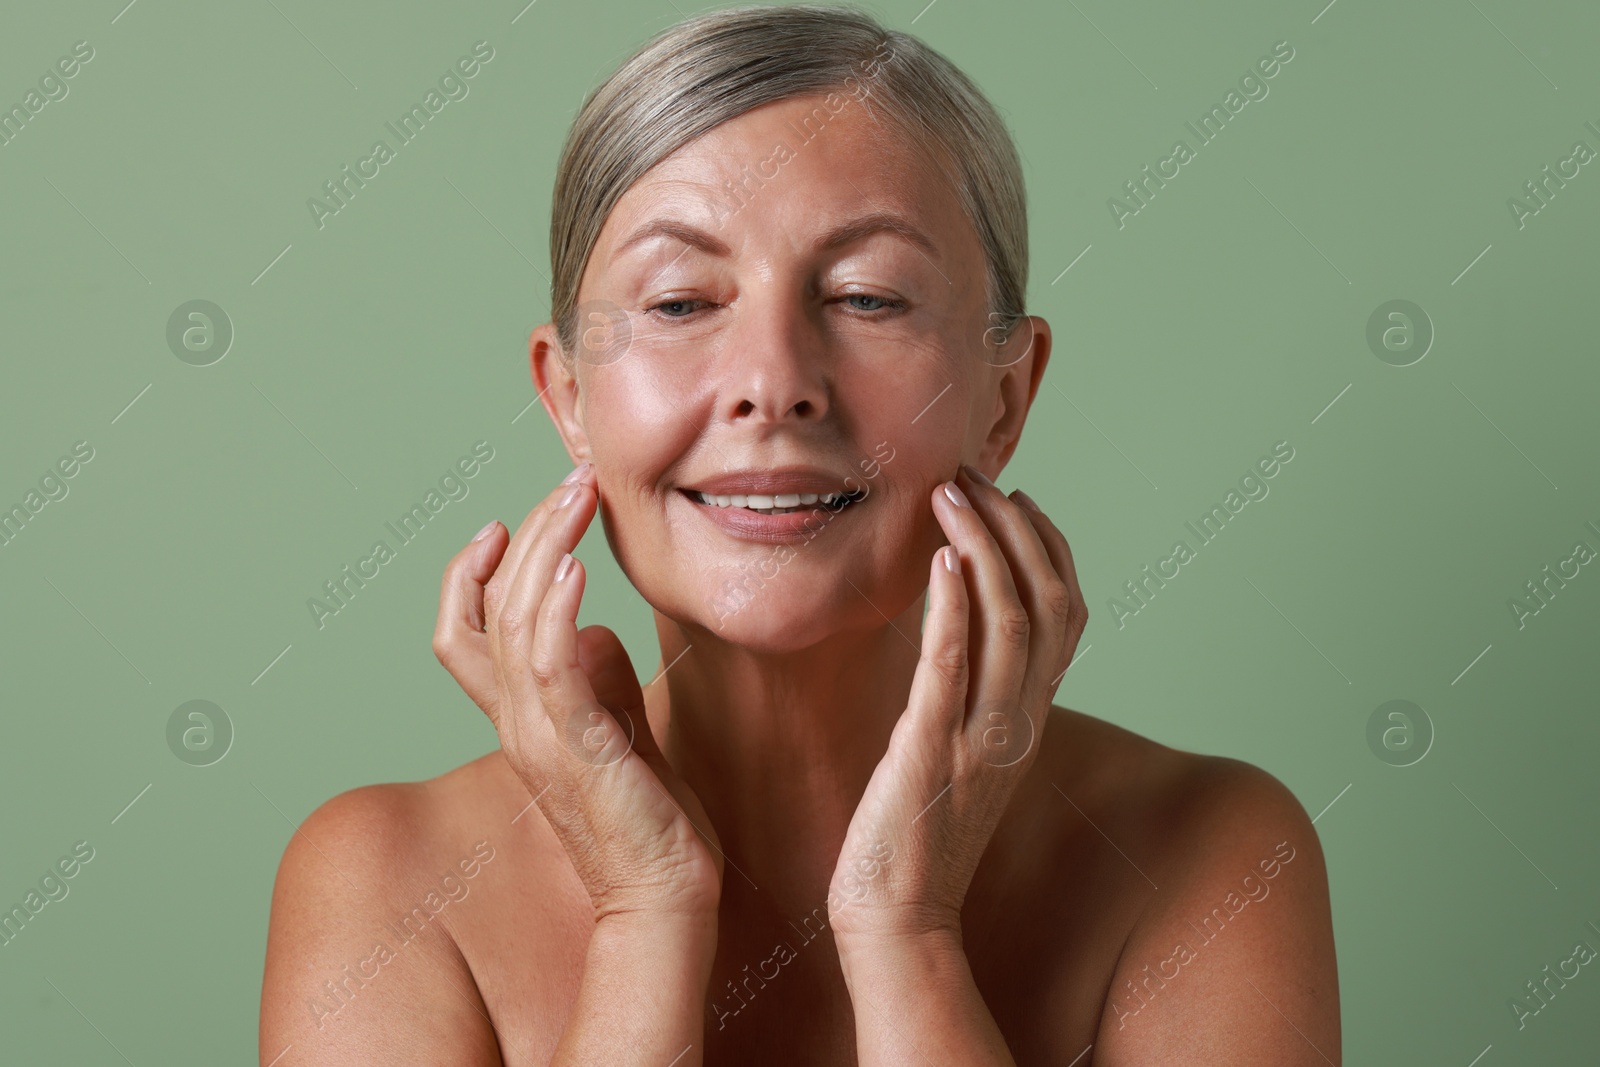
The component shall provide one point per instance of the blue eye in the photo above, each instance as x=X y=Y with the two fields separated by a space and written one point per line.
x=880 y=301
x=682 y=303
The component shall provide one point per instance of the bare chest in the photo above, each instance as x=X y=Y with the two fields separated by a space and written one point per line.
x=1041 y=954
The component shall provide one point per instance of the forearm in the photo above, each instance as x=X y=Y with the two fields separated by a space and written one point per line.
x=916 y=1002
x=643 y=994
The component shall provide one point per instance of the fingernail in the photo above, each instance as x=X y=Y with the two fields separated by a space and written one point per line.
x=577 y=473
x=570 y=496
x=975 y=474
x=957 y=497
x=481 y=534
x=952 y=562
x=1025 y=500
x=564 y=566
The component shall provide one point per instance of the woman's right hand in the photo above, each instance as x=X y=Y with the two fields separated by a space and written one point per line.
x=570 y=714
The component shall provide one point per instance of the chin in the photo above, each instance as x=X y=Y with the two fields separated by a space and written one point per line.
x=766 y=632
x=773 y=618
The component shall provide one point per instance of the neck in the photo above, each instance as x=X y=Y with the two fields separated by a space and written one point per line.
x=779 y=747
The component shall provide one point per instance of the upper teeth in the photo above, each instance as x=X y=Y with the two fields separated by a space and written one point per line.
x=781 y=500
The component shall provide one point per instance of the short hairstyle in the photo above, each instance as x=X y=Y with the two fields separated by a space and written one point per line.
x=716 y=66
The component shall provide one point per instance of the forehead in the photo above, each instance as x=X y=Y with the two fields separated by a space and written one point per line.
x=794 y=167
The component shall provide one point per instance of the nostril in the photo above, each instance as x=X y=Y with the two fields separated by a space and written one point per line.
x=802 y=408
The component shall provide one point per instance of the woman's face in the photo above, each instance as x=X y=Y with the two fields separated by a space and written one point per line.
x=792 y=304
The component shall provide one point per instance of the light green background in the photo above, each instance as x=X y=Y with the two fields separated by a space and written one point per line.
x=1224 y=317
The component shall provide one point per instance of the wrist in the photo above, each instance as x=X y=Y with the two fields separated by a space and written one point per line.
x=869 y=923
x=643 y=994
x=907 y=953
x=678 y=942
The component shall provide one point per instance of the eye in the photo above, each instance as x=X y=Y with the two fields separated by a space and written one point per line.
x=684 y=307
x=679 y=308
x=872 y=302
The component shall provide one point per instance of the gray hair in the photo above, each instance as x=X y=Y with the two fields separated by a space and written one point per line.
x=716 y=66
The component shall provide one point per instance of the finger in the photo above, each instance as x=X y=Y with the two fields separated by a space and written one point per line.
x=998 y=656
x=554 y=529
x=1055 y=543
x=938 y=699
x=1045 y=594
x=563 y=528
x=529 y=532
x=1017 y=537
x=605 y=662
x=583 y=725
x=458 y=638
x=1060 y=551
x=461 y=590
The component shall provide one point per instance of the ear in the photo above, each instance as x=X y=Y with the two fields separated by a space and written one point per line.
x=554 y=377
x=1020 y=376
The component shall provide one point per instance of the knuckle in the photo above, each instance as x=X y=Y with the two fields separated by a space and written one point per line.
x=545 y=671
x=1058 y=602
x=513 y=629
x=949 y=661
x=1014 y=625
x=443 y=650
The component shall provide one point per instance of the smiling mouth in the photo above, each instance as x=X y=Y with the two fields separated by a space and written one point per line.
x=780 y=504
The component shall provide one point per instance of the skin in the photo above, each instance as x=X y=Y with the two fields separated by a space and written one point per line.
x=828 y=833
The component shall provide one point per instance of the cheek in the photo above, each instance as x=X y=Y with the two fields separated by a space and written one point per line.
x=637 y=419
x=915 y=435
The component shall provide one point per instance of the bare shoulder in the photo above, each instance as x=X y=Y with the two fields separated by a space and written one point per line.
x=1182 y=805
x=363 y=963
x=1232 y=948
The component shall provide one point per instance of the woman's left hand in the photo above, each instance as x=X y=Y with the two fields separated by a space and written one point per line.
x=979 y=701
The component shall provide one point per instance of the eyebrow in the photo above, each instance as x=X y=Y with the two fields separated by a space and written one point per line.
x=839 y=236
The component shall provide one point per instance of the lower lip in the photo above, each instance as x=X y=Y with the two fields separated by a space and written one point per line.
x=803 y=524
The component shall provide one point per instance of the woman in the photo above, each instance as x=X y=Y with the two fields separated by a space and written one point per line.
x=788 y=353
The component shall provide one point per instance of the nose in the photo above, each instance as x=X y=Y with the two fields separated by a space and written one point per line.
x=774 y=369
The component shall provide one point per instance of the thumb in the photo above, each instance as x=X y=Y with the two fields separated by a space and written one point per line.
x=616 y=684
x=616 y=687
